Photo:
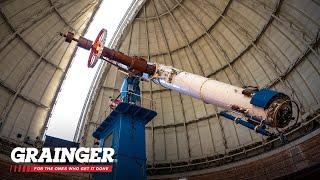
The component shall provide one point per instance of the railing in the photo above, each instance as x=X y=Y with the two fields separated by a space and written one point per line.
x=215 y=160
x=152 y=103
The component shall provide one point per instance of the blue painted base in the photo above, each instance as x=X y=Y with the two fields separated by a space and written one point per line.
x=126 y=124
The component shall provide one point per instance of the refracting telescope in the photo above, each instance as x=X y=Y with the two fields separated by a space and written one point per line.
x=256 y=109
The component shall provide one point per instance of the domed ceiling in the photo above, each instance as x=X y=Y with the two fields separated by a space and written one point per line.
x=264 y=43
x=34 y=60
x=270 y=43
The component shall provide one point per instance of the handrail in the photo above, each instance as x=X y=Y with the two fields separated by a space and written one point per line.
x=139 y=95
x=153 y=102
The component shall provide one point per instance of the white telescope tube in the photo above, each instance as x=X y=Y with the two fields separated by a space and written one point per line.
x=209 y=90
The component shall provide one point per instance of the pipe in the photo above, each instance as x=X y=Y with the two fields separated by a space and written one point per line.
x=245 y=123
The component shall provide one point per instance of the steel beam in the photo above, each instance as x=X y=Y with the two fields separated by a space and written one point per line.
x=41 y=58
x=205 y=118
x=294 y=64
x=150 y=92
x=34 y=21
x=25 y=98
x=196 y=39
x=24 y=41
x=196 y=59
x=274 y=14
x=166 y=42
x=215 y=114
x=60 y=16
x=160 y=15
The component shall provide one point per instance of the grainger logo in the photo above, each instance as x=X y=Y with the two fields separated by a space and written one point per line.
x=59 y=159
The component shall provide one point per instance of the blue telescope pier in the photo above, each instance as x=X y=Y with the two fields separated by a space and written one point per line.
x=124 y=131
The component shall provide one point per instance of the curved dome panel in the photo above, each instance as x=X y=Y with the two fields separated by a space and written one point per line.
x=262 y=43
x=34 y=60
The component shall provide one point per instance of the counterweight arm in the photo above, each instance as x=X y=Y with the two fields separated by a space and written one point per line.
x=134 y=63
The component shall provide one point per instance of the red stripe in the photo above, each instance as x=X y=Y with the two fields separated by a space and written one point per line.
x=61 y=168
x=70 y=168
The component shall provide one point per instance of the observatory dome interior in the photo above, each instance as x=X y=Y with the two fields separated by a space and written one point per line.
x=261 y=43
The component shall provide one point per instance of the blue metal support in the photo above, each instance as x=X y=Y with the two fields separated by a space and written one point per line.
x=130 y=90
x=124 y=131
x=244 y=123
